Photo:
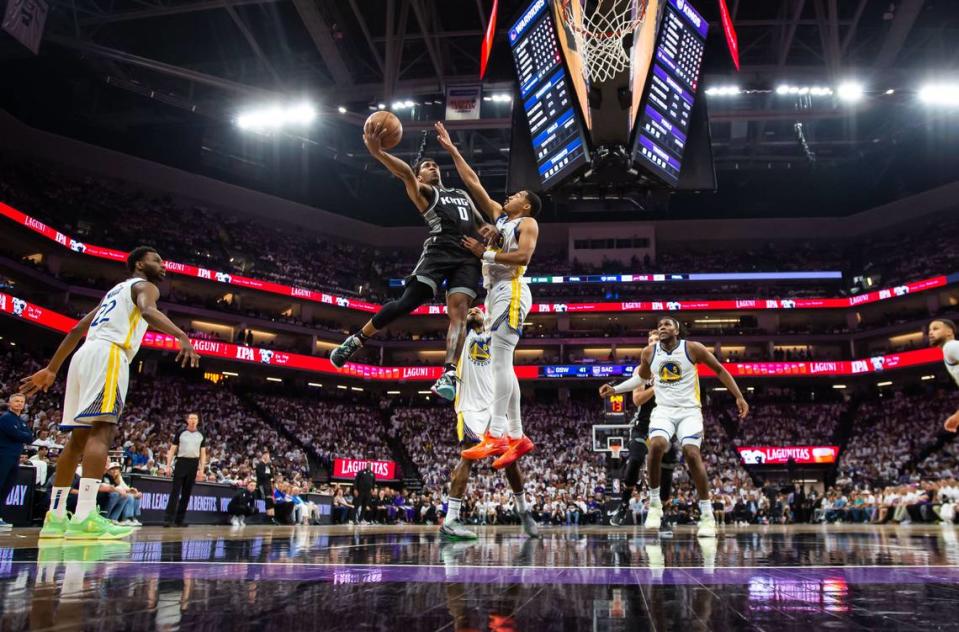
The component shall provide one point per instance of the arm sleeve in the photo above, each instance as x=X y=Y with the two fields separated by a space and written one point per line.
x=631 y=384
x=950 y=352
x=176 y=438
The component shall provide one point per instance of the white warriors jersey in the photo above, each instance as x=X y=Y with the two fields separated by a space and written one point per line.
x=508 y=241
x=675 y=378
x=950 y=354
x=475 y=373
x=118 y=319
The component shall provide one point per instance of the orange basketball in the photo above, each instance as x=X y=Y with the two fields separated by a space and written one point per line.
x=389 y=122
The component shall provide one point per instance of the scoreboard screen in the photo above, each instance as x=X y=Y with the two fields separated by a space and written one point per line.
x=559 y=141
x=665 y=112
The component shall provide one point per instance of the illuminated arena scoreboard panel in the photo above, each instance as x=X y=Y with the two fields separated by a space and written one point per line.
x=556 y=126
x=671 y=91
x=559 y=142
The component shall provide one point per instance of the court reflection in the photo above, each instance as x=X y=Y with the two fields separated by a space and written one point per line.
x=568 y=580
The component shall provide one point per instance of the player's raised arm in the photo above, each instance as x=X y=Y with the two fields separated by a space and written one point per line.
x=701 y=354
x=44 y=378
x=145 y=297
x=417 y=191
x=486 y=205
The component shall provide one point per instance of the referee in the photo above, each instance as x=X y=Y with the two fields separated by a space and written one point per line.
x=264 y=485
x=190 y=452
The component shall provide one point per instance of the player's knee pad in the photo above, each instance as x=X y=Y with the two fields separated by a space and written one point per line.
x=415 y=294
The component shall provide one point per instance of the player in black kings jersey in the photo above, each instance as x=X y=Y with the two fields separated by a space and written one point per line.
x=645 y=400
x=451 y=216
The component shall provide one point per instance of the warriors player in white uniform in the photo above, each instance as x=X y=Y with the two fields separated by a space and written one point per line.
x=671 y=363
x=475 y=374
x=942 y=333
x=508 y=301
x=96 y=390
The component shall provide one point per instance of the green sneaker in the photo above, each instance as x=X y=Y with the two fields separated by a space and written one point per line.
x=95 y=527
x=54 y=527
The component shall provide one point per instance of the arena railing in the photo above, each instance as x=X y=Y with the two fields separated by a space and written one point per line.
x=18 y=308
x=326 y=298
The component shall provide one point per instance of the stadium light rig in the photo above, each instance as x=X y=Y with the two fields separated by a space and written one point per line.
x=946 y=94
x=850 y=92
x=276 y=117
x=723 y=91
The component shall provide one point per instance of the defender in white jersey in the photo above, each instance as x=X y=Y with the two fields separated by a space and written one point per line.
x=475 y=375
x=942 y=333
x=97 y=388
x=671 y=363
x=508 y=300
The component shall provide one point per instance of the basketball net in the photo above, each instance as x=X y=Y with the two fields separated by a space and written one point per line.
x=615 y=450
x=599 y=36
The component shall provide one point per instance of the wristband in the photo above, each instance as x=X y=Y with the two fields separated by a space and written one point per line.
x=489 y=256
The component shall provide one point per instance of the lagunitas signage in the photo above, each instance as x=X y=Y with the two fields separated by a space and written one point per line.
x=348 y=468
x=778 y=455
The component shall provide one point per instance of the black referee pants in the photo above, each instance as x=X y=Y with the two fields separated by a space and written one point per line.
x=184 y=474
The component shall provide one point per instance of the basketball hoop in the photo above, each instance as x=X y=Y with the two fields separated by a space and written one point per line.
x=615 y=450
x=600 y=35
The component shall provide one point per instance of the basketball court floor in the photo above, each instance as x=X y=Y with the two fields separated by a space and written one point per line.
x=387 y=578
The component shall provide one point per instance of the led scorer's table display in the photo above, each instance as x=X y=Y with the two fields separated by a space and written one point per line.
x=559 y=143
x=671 y=91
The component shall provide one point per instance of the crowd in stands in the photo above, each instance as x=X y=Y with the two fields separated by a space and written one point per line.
x=85 y=207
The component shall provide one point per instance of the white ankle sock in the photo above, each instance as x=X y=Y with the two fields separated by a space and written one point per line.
x=705 y=509
x=654 y=500
x=520 y=498
x=453 y=508
x=87 y=500
x=58 y=501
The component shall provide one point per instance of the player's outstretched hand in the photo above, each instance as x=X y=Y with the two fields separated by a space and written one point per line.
x=443 y=136
x=474 y=246
x=743 y=408
x=606 y=390
x=187 y=356
x=39 y=381
x=373 y=139
x=489 y=233
x=952 y=424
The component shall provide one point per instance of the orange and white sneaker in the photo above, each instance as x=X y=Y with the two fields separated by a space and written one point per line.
x=517 y=448
x=489 y=446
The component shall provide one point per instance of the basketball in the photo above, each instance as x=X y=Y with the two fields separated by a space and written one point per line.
x=388 y=121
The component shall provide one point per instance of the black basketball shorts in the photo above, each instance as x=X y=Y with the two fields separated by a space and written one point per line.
x=451 y=263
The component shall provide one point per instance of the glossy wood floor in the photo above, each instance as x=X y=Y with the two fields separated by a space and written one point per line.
x=408 y=579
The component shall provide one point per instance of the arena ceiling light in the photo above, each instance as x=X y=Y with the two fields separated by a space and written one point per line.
x=314 y=384
x=786 y=89
x=402 y=105
x=230 y=373
x=940 y=94
x=341 y=110
x=723 y=91
x=273 y=379
x=926 y=378
x=498 y=98
x=887 y=383
x=839 y=386
x=850 y=91
x=276 y=117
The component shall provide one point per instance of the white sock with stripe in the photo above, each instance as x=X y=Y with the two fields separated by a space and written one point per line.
x=87 y=500
x=453 y=508
x=58 y=501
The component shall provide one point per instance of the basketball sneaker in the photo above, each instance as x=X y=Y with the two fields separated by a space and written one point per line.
x=654 y=519
x=665 y=530
x=707 y=526
x=445 y=387
x=94 y=527
x=54 y=527
x=517 y=448
x=619 y=517
x=454 y=530
x=342 y=354
x=489 y=446
x=530 y=528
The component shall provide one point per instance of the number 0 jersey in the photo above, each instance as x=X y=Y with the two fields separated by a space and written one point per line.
x=118 y=319
x=451 y=216
x=475 y=372
x=675 y=378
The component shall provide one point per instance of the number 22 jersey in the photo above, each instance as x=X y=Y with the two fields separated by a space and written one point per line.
x=118 y=319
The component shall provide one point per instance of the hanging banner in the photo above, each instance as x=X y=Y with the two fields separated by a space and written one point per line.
x=488 y=39
x=24 y=20
x=463 y=103
x=732 y=40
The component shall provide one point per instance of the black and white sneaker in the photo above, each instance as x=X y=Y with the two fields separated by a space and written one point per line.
x=619 y=517
x=342 y=354
x=444 y=387
x=665 y=531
